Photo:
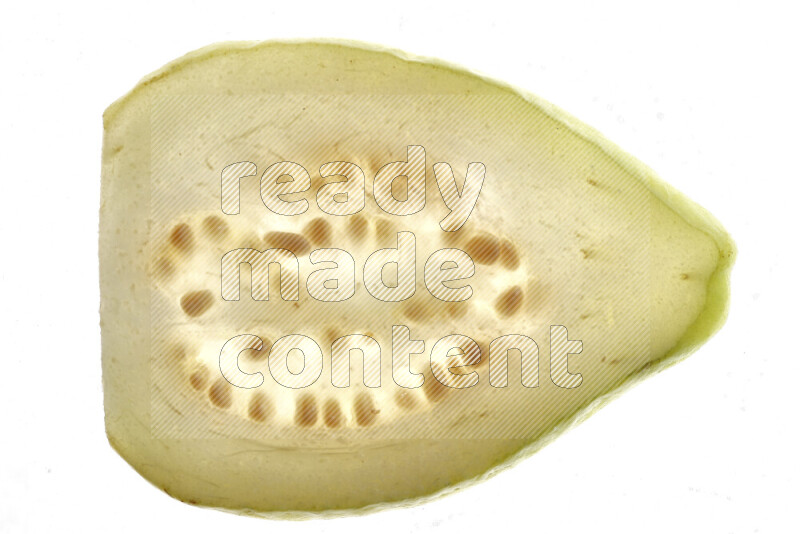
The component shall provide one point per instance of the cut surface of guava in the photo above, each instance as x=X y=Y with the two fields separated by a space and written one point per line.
x=304 y=312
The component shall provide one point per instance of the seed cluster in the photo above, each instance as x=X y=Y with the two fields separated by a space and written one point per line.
x=184 y=268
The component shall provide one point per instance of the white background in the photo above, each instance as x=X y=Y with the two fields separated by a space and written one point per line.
x=705 y=93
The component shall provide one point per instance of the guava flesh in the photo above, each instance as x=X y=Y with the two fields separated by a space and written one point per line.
x=689 y=256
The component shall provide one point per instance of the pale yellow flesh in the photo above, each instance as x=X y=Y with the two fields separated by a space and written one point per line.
x=689 y=257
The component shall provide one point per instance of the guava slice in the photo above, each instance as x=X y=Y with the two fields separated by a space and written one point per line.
x=569 y=239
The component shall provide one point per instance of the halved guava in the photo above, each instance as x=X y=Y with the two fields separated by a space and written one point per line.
x=333 y=157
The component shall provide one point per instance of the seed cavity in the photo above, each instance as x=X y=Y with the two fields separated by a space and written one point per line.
x=509 y=302
x=306 y=410
x=484 y=249
x=259 y=408
x=181 y=238
x=290 y=241
x=214 y=227
x=196 y=303
x=362 y=410
x=318 y=231
x=365 y=410
x=332 y=414
x=220 y=394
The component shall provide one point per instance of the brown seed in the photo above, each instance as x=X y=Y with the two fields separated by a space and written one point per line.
x=196 y=303
x=199 y=379
x=177 y=352
x=164 y=268
x=358 y=226
x=332 y=414
x=318 y=231
x=417 y=310
x=215 y=227
x=433 y=389
x=484 y=345
x=405 y=400
x=484 y=248
x=220 y=394
x=472 y=355
x=385 y=229
x=508 y=255
x=375 y=161
x=453 y=238
x=306 y=410
x=332 y=334
x=400 y=188
x=294 y=243
x=684 y=276
x=457 y=309
x=260 y=355
x=181 y=237
x=509 y=302
x=259 y=408
x=365 y=410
